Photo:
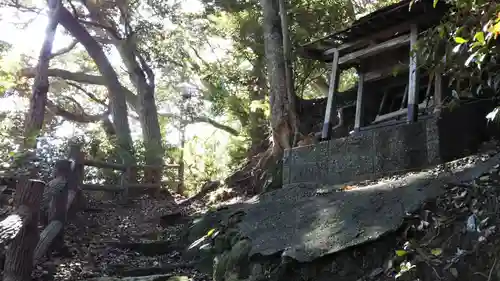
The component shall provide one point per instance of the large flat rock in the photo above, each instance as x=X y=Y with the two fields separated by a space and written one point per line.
x=312 y=220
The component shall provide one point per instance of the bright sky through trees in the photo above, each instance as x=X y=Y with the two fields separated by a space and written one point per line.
x=25 y=31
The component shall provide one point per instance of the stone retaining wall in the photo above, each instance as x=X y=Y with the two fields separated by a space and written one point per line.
x=369 y=154
x=376 y=152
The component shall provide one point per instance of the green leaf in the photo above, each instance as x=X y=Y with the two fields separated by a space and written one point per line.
x=436 y=252
x=210 y=232
x=470 y=59
x=460 y=40
x=401 y=253
x=479 y=36
x=434 y=4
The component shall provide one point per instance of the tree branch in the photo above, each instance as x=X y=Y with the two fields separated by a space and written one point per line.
x=83 y=78
x=79 y=118
x=204 y=119
x=109 y=30
x=64 y=50
x=88 y=94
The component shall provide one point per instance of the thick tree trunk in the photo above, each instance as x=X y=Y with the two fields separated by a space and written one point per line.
x=38 y=101
x=19 y=255
x=257 y=119
x=287 y=57
x=283 y=114
x=117 y=98
x=143 y=79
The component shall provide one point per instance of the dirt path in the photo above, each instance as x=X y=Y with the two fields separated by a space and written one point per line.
x=111 y=240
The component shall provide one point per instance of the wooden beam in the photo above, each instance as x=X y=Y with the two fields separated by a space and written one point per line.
x=359 y=102
x=389 y=32
x=438 y=92
x=122 y=167
x=330 y=104
x=102 y=187
x=382 y=102
x=104 y=165
x=118 y=188
x=397 y=113
x=413 y=78
x=376 y=49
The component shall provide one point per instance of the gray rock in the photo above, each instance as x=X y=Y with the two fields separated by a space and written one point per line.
x=306 y=226
x=484 y=178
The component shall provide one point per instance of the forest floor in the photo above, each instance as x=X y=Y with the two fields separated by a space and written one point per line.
x=108 y=239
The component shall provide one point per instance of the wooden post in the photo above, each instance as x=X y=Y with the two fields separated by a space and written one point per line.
x=152 y=174
x=19 y=255
x=75 y=181
x=438 y=93
x=77 y=157
x=330 y=105
x=413 y=78
x=124 y=185
x=132 y=174
x=359 y=102
x=59 y=201
x=148 y=175
x=52 y=237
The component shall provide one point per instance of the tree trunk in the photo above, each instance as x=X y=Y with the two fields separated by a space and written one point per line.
x=38 y=101
x=142 y=78
x=117 y=99
x=19 y=255
x=257 y=119
x=287 y=57
x=283 y=114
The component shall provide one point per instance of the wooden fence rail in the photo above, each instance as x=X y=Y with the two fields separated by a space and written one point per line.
x=128 y=177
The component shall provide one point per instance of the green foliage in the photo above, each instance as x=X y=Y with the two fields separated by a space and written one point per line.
x=463 y=47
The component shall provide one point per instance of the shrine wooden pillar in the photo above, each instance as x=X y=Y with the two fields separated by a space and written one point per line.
x=413 y=87
x=331 y=104
x=359 y=101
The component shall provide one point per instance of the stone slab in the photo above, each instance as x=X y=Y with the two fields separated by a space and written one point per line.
x=306 y=222
x=311 y=220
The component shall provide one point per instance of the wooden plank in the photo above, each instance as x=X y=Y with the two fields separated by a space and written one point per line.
x=438 y=92
x=413 y=78
x=124 y=178
x=376 y=49
x=119 y=188
x=102 y=187
x=167 y=166
x=330 y=105
x=397 y=113
x=359 y=102
x=144 y=185
x=389 y=32
x=104 y=165
x=405 y=98
x=122 y=167
x=382 y=103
